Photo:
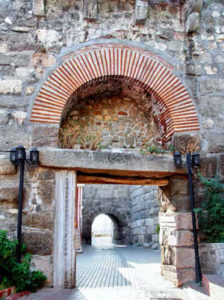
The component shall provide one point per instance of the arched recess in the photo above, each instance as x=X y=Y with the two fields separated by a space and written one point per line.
x=114 y=228
x=176 y=110
x=119 y=220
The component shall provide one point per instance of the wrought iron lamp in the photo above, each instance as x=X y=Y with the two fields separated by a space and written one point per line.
x=177 y=159
x=193 y=160
x=18 y=157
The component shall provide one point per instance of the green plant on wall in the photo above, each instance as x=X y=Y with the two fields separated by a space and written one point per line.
x=154 y=149
x=17 y=274
x=211 y=212
x=157 y=228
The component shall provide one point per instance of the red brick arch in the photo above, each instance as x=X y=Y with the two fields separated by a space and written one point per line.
x=102 y=60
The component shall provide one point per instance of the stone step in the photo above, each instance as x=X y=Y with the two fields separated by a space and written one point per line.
x=214 y=284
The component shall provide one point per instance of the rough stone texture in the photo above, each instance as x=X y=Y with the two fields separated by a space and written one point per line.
x=38 y=242
x=90 y=9
x=177 y=254
x=6 y=168
x=110 y=121
x=39 y=220
x=212 y=258
x=193 y=22
x=15 y=137
x=117 y=160
x=43 y=136
x=112 y=200
x=141 y=11
x=10 y=86
x=38 y=7
x=144 y=215
x=43 y=263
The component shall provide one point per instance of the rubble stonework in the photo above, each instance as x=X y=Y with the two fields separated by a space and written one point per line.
x=40 y=38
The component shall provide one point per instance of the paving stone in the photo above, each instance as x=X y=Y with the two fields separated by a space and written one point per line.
x=116 y=273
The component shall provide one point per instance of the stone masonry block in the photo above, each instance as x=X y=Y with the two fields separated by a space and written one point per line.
x=38 y=241
x=176 y=220
x=6 y=168
x=180 y=238
x=39 y=220
x=90 y=9
x=10 y=87
x=8 y=193
x=184 y=258
x=141 y=11
x=38 y=7
x=193 y=22
x=211 y=85
x=209 y=166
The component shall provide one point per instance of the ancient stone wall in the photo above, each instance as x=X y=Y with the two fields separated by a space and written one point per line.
x=34 y=36
x=134 y=210
x=144 y=215
x=105 y=120
x=112 y=200
x=212 y=258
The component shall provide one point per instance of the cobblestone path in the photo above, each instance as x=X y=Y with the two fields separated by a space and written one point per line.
x=130 y=273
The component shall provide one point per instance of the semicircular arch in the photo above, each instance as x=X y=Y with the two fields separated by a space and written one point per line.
x=175 y=105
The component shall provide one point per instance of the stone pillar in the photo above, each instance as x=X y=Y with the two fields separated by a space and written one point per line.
x=64 y=230
x=176 y=237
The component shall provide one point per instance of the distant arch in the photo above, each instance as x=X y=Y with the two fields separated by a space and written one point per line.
x=176 y=110
x=119 y=220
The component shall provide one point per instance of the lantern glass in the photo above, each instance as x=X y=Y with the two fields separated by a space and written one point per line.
x=13 y=155
x=177 y=159
x=34 y=156
x=195 y=159
x=21 y=153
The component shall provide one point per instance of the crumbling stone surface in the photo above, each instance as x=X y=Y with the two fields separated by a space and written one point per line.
x=120 y=119
x=38 y=241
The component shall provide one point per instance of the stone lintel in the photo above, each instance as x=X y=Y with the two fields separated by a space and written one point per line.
x=110 y=162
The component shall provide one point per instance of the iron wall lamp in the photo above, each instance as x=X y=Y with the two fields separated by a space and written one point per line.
x=193 y=160
x=18 y=157
x=177 y=159
x=19 y=154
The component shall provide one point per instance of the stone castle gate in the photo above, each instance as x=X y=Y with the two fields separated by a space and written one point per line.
x=131 y=75
x=175 y=114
